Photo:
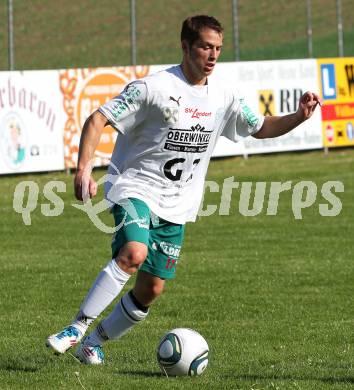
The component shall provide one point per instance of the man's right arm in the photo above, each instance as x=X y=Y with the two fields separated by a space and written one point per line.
x=84 y=184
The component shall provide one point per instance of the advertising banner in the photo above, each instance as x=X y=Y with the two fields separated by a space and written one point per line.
x=31 y=122
x=337 y=89
x=83 y=91
x=274 y=88
x=42 y=112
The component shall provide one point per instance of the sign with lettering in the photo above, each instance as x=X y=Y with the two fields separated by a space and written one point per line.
x=31 y=122
x=273 y=88
x=337 y=89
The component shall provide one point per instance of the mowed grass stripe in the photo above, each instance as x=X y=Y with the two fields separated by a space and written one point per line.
x=85 y=33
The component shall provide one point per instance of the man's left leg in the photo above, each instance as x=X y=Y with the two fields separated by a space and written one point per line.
x=132 y=308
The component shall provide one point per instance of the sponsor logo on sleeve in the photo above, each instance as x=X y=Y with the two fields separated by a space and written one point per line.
x=127 y=98
x=248 y=114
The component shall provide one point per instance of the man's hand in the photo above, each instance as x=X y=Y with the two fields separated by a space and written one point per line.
x=84 y=185
x=307 y=105
x=275 y=126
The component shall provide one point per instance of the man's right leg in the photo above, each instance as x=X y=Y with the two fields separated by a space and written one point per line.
x=104 y=290
x=110 y=282
x=129 y=250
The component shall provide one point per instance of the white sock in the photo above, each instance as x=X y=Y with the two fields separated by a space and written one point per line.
x=124 y=316
x=106 y=287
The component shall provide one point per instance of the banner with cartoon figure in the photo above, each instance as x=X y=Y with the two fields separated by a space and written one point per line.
x=31 y=127
x=337 y=90
x=83 y=91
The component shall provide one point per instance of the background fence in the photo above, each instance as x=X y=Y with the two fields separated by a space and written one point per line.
x=81 y=33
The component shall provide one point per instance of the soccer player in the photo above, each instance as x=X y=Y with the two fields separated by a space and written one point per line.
x=168 y=124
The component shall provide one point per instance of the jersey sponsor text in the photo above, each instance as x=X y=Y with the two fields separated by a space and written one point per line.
x=196 y=113
x=194 y=140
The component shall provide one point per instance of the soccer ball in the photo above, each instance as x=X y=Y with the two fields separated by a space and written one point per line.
x=182 y=351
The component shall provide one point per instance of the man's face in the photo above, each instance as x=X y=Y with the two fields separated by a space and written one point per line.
x=201 y=57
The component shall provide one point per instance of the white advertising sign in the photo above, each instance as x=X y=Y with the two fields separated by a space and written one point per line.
x=31 y=122
x=38 y=118
x=274 y=88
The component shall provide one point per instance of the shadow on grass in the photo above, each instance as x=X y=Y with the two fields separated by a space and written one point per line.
x=23 y=363
x=17 y=365
x=331 y=380
x=147 y=374
x=335 y=380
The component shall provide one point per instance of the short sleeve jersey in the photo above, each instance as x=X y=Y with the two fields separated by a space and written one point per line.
x=167 y=130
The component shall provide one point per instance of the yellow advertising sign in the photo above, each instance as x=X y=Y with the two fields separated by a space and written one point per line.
x=337 y=90
x=84 y=90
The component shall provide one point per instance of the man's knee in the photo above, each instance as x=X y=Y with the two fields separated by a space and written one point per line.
x=131 y=256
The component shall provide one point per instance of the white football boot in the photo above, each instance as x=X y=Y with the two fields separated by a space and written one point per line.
x=65 y=339
x=89 y=354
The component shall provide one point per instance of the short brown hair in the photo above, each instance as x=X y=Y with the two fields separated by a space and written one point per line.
x=192 y=26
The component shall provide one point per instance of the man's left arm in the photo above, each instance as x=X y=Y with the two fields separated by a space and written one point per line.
x=275 y=126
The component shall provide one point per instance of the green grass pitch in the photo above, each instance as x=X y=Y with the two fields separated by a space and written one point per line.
x=272 y=295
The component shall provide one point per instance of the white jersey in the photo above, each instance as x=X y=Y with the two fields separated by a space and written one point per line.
x=167 y=131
